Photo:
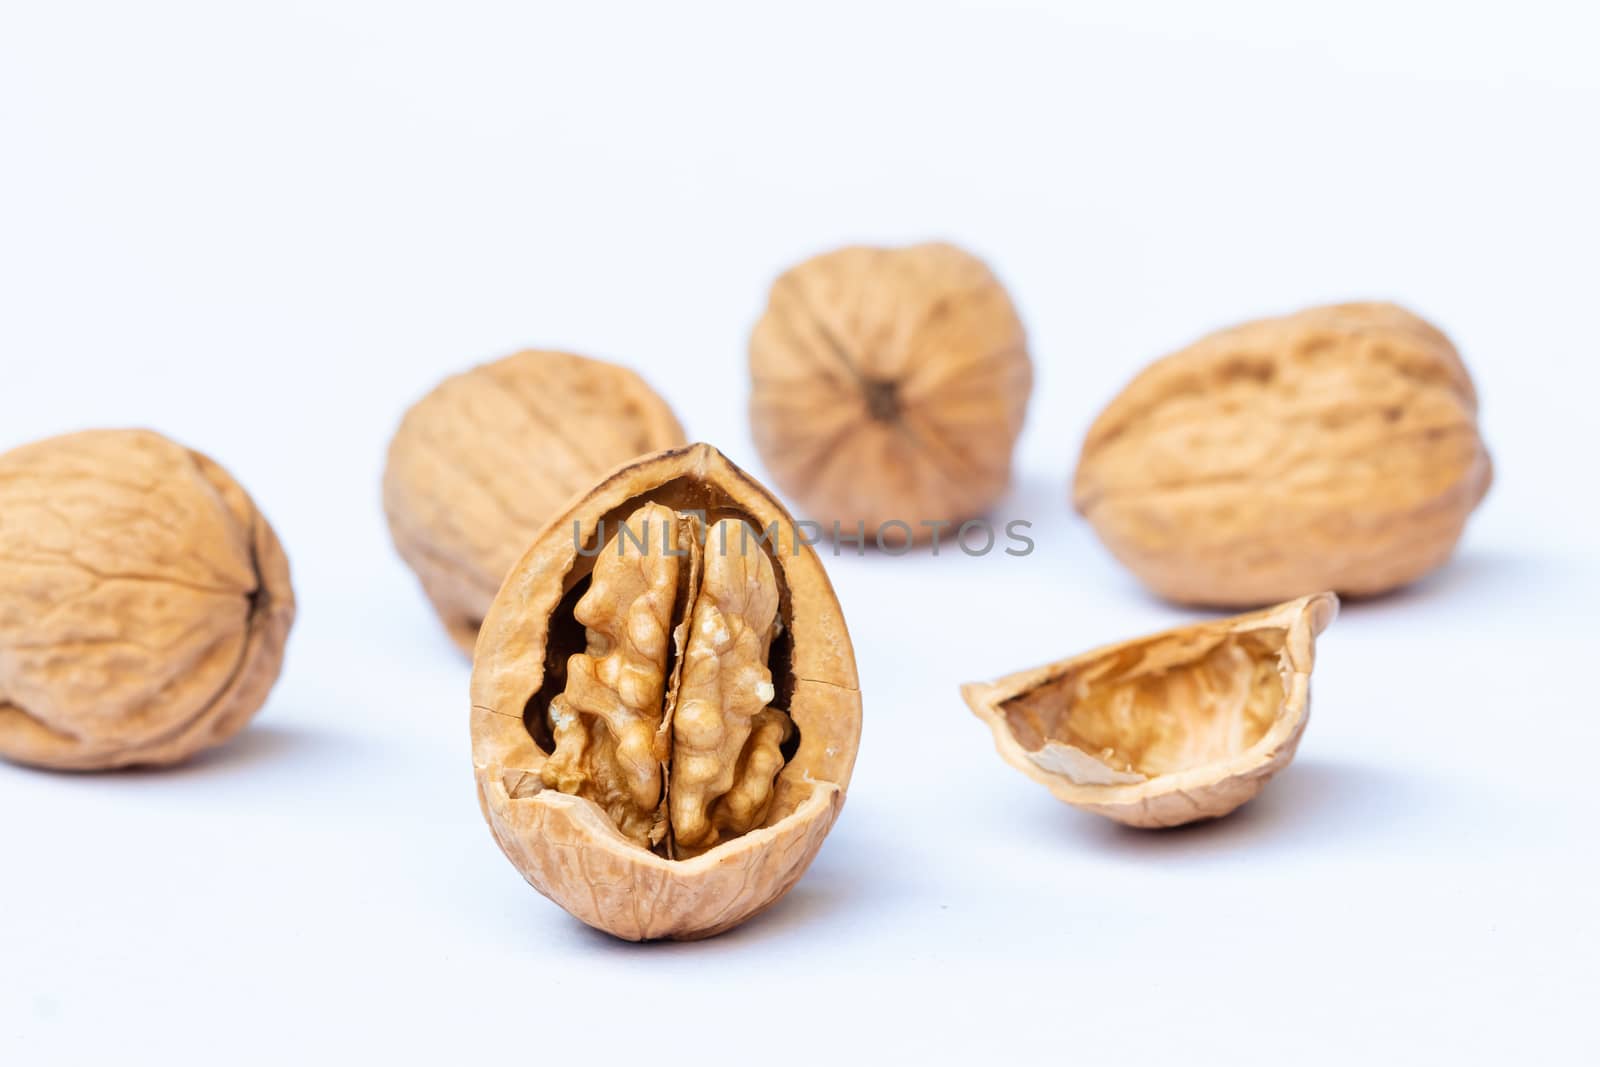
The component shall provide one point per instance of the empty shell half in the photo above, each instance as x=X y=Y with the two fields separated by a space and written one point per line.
x=1167 y=729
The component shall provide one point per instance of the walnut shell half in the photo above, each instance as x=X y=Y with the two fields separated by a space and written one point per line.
x=1164 y=730
x=665 y=713
x=144 y=602
x=888 y=387
x=482 y=461
x=1336 y=448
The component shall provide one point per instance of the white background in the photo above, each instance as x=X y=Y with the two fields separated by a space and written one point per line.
x=266 y=229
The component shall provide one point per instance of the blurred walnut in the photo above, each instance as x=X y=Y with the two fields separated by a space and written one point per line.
x=1336 y=448
x=481 y=462
x=144 y=602
x=664 y=703
x=1163 y=730
x=888 y=387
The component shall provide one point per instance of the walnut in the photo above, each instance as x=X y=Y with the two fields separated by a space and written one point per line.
x=1163 y=730
x=1336 y=448
x=888 y=388
x=144 y=602
x=727 y=740
x=610 y=722
x=665 y=712
x=482 y=461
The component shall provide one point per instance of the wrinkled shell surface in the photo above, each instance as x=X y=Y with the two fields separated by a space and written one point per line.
x=1336 y=448
x=1164 y=730
x=144 y=602
x=889 y=385
x=482 y=461
x=662 y=743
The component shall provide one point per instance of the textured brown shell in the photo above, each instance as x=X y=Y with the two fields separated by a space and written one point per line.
x=1208 y=790
x=889 y=385
x=482 y=461
x=1336 y=448
x=144 y=602
x=564 y=845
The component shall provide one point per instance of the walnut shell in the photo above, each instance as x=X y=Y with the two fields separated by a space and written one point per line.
x=888 y=387
x=691 y=679
x=1164 y=730
x=1336 y=448
x=144 y=602
x=482 y=461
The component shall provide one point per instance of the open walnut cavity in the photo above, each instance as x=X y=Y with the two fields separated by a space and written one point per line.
x=678 y=771
x=1163 y=730
x=665 y=712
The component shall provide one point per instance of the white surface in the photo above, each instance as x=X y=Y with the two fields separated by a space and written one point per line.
x=265 y=234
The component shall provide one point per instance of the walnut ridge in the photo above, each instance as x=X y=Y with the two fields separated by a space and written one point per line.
x=144 y=602
x=478 y=464
x=888 y=386
x=1163 y=730
x=1336 y=448
x=665 y=711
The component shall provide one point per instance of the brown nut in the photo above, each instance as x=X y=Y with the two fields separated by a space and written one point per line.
x=888 y=387
x=480 y=463
x=1164 y=730
x=1336 y=448
x=144 y=602
x=664 y=720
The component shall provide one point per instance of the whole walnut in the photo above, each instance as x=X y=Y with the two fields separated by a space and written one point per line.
x=1336 y=448
x=481 y=462
x=888 y=388
x=144 y=602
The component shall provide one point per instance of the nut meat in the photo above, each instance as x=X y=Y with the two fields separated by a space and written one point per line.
x=1163 y=730
x=1336 y=448
x=144 y=602
x=888 y=387
x=665 y=713
x=482 y=461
